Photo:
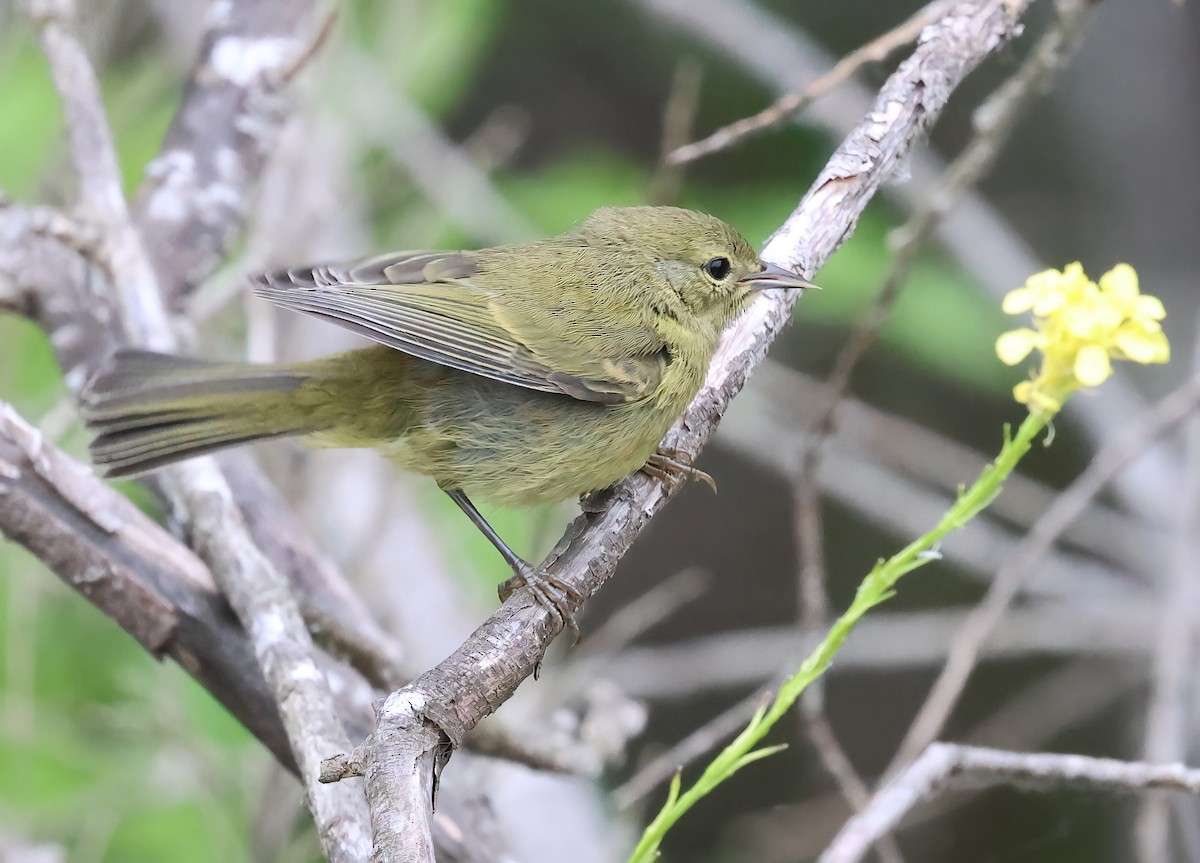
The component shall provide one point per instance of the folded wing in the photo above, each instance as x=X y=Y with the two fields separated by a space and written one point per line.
x=426 y=304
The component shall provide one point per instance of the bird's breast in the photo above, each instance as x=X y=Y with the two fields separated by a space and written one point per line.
x=518 y=447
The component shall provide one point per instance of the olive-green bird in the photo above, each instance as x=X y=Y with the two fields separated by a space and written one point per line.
x=520 y=374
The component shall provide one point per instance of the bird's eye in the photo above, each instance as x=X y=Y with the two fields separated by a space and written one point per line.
x=718 y=268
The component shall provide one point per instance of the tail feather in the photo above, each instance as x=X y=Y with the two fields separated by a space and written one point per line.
x=152 y=409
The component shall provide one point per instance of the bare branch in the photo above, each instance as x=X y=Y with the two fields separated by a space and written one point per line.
x=337 y=616
x=679 y=116
x=101 y=199
x=703 y=739
x=790 y=104
x=194 y=200
x=1167 y=727
x=942 y=763
x=47 y=280
x=485 y=670
x=1035 y=714
x=131 y=569
x=444 y=173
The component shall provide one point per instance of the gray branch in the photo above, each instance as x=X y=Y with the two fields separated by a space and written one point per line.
x=159 y=592
x=942 y=763
x=195 y=198
x=482 y=673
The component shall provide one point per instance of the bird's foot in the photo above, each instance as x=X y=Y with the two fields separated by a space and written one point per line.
x=550 y=592
x=669 y=465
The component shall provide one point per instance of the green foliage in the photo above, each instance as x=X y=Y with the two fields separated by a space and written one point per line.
x=30 y=130
x=91 y=724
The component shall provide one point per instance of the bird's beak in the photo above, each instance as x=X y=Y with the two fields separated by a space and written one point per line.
x=774 y=276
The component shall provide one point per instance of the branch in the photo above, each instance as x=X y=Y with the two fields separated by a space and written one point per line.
x=1167 y=718
x=483 y=672
x=790 y=104
x=101 y=199
x=257 y=591
x=942 y=763
x=122 y=562
x=51 y=282
x=194 y=200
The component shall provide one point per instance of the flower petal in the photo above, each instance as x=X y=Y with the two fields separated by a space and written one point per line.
x=1047 y=303
x=1092 y=366
x=1121 y=282
x=1143 y=346
x=1149 y=307
x=1015 y=345
x=1017 y=301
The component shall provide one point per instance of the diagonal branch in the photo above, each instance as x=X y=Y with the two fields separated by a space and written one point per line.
x=481 y=674
x=792 y=103
x=159 y=592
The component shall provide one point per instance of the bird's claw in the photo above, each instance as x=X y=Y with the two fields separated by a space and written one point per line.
x=669 y=466
x=549 y=591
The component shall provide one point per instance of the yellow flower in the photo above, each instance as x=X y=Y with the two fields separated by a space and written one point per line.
x=1080 y=327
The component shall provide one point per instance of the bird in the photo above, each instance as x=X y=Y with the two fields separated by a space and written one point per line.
x=520 y=374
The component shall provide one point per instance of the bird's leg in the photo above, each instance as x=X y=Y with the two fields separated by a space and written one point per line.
x=668 y=465
x=550 y=591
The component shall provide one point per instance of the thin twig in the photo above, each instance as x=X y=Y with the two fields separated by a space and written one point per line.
x=1167 y=727
x=942 y=763
x=435 y=164
x=700 y=741
x=838 y=765
x=790 y=104
x=643 y=613
x=1118 y=630
x=814 y=619
x=1022 y=566
x=679 y=116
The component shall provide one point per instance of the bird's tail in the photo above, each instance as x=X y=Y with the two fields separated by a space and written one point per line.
x=151 y=409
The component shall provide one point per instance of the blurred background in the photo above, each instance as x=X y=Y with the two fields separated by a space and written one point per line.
x=475 y=122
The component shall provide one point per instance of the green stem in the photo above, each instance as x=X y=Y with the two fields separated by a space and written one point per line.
x=875 y=588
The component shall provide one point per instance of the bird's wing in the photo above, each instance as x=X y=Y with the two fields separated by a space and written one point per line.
x=425 y=304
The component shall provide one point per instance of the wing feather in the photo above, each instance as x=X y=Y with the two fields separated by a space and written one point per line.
x=425 y=304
